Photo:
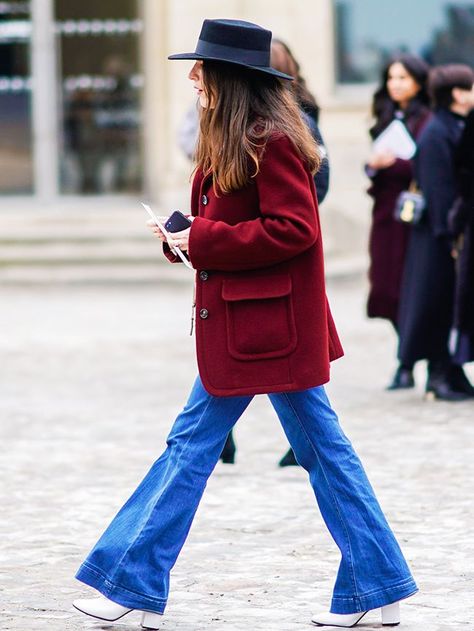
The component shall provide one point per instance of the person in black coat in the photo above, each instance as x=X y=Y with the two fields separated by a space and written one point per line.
x=462 y=227
x=427 y=296
x=282 y=59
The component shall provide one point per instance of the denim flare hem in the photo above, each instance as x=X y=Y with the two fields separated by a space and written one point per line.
x=374 y=599
x=93 y=577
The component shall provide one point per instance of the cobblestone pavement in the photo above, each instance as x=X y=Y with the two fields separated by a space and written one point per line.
x=90 y=380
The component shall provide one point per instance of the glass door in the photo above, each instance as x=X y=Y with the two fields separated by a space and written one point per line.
x=100 y=87
x=16 y=154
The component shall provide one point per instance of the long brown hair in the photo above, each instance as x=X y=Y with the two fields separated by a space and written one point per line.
x=246 y=107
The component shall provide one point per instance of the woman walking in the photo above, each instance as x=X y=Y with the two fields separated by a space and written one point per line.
x=402 y=96
x=427 y=297
x=263 y=326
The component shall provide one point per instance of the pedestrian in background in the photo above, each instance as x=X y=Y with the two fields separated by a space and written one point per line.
x=401 y=96
x=427 y=296
x=282 y=59
x=188 y=132
x=462 y=228
x=264 y=326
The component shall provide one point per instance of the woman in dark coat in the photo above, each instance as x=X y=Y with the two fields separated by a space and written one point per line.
x=462 y=227
x=402 y=96
x=263 y=326
x=426 y=306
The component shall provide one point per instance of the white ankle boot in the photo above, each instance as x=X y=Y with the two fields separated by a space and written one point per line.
x=105 y=609
x=390 y=617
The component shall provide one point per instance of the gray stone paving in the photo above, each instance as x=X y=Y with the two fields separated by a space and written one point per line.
x=90 y=380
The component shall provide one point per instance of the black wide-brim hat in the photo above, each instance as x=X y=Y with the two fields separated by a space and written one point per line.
x=235 y=42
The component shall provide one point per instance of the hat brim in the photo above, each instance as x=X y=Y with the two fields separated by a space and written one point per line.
x=266 y=69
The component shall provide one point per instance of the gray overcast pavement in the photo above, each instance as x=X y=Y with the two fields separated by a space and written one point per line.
x=90 y=381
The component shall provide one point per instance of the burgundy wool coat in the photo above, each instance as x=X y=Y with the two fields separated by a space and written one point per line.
x=263 y=322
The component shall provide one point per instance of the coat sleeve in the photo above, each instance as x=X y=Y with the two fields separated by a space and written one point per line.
x=399 y=170
x=287 y=225
x=435 y=177
x=172 y=258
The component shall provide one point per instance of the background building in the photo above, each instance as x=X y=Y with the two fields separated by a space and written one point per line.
x=90 y=107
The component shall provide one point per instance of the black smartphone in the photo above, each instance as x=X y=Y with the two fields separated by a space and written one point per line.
x=177 y=222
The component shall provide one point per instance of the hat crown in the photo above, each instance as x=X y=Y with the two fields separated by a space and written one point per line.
x=236 y=34
x=235 y=42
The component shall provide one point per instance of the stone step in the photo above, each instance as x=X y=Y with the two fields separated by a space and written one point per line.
x=115 y=246
x=95 y=274
x=29 y=227
x=140 y=273
x=82 y=252
x=77 y=238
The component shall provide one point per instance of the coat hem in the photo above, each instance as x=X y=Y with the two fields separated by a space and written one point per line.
x=262 y=389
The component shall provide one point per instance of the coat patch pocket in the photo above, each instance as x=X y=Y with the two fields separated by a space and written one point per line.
x=259 y=315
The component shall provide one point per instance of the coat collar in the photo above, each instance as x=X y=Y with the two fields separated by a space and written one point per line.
x=451 y=119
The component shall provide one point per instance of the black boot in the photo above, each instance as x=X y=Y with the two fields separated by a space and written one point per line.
x=288 y=459
x=402 y=379
x=439 y=385
x=228 y=453
x=459 y=381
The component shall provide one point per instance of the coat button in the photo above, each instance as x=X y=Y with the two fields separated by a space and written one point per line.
x=203 y=313
x=203 y=275
x=204 y=200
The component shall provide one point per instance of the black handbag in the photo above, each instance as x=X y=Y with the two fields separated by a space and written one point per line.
x=410 y=206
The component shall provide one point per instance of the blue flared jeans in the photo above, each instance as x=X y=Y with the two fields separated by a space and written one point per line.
x=131 y=562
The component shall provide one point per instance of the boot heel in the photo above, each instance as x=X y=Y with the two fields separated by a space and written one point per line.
x=391 y=615
x=151 y=620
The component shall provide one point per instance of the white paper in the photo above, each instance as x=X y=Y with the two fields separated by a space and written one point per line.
x=174 y=248
x=396 y=139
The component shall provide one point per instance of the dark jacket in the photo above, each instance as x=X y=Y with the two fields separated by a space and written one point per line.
x=462 y=225
x=321 y=179
x=388 y=238
x=426 y=305
x=263 y=322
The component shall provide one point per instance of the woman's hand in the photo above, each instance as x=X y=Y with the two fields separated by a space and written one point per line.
x=177 y=239
x=381 y=160
x=181 y=239
x=154 y=228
